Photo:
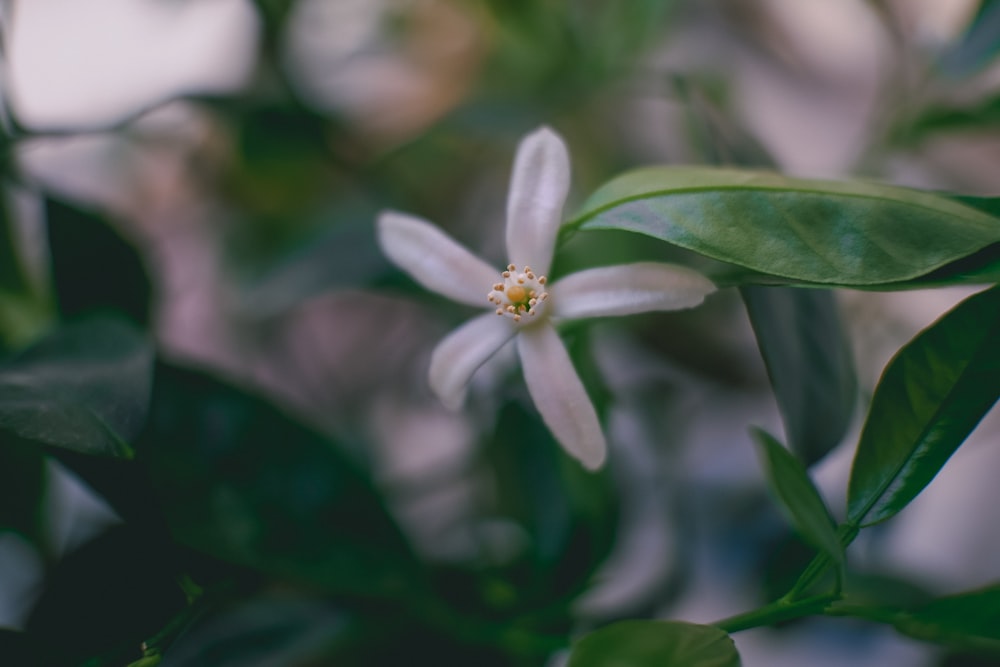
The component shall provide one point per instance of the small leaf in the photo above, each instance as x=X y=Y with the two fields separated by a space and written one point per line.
x=809 y=362
x=106 y=597
x=85 y=388
x=656 y=644
x=930 y=397
x=93 y=267
x=791 y=485
x=969 y=621
x=244 y=482
x=801 y=231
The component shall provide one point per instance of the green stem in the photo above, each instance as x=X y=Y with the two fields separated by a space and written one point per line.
x=776 y=612
x=821 y=564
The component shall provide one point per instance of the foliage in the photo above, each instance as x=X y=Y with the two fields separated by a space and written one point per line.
x=274 y=473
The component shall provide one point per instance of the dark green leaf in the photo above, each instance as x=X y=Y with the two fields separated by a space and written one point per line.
x=16 y=648
x=930 y=397
x=811 y=232
x=85 y=388
x=981 y=117
x=23 y=485
x=809 y=362
x=242 y=481
x=275 y=629
x=656 y=644
x=790 y=483
x=93 y=267
x=969 y=621
x=105 y=598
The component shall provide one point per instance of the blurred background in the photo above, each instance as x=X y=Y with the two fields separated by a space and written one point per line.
x=236 y=154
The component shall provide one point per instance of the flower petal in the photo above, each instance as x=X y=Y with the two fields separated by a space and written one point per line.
x=628 y=289
x=464 y=350
x=434 y=259
x=559 y=395
x=538 y=188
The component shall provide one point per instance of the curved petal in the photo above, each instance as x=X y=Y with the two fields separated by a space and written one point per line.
x=434 y=259
x=559 y=395
x=464 y=350
x=538 y=188
x=628 y=289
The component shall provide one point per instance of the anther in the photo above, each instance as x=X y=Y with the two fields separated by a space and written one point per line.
x=511 y=267
x=541 y=281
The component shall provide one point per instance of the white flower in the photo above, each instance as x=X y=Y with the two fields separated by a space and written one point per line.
x=522 y=302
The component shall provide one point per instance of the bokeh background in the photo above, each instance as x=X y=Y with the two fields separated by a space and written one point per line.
x=243 y=149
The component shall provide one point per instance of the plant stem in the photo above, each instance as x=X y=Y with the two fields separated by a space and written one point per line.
x=776 y=612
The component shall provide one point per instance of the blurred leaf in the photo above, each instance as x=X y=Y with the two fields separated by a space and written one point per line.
x=16 y=648
x=105 y=598
x=809 y=361
x=270 y=630
x=569 y=514
x=799 y=498
x=23 y=484
x=345 y=256
x=24 y=310
x=810 y=232
x=85 y=387
x=968 y=621
x=93 y=267
x=655 y=643
x=983 y=116
x=978 y=46
x=930 y=397
x=242 y=481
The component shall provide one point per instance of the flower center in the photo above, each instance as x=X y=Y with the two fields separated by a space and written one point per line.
x=520 y=293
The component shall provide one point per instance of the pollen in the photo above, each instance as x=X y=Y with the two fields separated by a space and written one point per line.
x=521 y=292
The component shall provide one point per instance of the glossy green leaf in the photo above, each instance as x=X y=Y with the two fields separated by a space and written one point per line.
x=800 y=500
x=242 y=481
x=930 y=397
x=806 y=231
x=969 y=621
x=809 y=362
x=85 y=388
x=655 y=644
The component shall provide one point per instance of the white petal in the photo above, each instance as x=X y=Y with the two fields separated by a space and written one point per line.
x=559 y=395
x=434 y=259
x=464 y=350
x=538 y=188
x=627 y=289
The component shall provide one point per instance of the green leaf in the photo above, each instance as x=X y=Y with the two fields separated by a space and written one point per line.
x=655 y=643
x=930 y=397
x=106 y=597
x=790 y=483
x=809 y=361
x=806 y=231
x=85 y=388
x=242 y=481
x=969 y=621
x=93 y=267
x=272 y=629
x=978 y=46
